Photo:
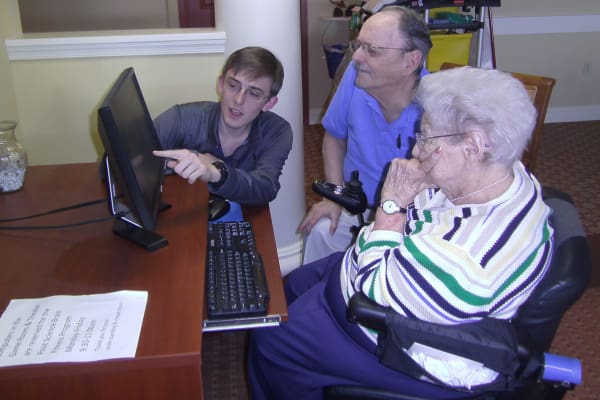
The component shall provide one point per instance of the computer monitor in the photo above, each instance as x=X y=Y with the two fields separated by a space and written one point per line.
x=134 y=175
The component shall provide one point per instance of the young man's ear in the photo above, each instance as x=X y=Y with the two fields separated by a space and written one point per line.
x=270 y=103
x=220 y=86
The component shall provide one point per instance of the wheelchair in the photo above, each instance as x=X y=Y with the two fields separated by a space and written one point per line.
x=538 y=374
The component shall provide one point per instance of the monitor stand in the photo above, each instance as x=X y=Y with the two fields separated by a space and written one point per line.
x=125 y=223
x=149 y=240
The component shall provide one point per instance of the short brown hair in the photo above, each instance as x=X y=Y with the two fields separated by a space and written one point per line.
x=257 y=62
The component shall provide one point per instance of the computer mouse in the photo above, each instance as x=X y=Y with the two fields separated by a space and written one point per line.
x=217 y=207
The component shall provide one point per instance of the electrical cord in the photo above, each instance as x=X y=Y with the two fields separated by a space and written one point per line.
x=56 y=210
x=492 y=42
x=71 y=225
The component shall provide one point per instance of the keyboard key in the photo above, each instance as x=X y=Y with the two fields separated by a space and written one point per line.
x=236 y=286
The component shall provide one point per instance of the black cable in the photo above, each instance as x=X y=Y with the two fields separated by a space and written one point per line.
x=56 y=210
x=492 y=42
x=71 y=225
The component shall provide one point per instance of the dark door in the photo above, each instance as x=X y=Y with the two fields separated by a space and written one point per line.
x=196 y=13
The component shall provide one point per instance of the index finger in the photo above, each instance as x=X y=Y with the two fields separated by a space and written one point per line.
x=170 y=154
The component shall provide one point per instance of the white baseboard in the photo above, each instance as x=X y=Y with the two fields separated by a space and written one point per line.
x=290 y=257
x=313 y=116
x=572 y=114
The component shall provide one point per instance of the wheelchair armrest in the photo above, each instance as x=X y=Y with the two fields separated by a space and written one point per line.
x=492 y=342
x=351 y=196
x=366 y=312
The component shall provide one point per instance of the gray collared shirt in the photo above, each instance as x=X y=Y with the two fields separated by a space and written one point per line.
x=254 y=167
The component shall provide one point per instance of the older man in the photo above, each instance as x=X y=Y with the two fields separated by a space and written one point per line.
x=371 y=119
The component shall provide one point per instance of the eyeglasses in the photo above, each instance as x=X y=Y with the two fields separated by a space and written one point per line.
x=421 y=140
x=372 y=50
x=233 y=86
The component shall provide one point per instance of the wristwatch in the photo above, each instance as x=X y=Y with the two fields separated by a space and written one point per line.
x=222 y=168
x=391 y=207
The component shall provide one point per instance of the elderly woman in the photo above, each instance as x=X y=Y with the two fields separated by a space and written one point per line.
x=461 y=233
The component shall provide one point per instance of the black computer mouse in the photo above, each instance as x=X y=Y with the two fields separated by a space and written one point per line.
x=217 y=207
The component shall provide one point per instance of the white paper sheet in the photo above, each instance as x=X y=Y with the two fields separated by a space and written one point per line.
x=71 y=328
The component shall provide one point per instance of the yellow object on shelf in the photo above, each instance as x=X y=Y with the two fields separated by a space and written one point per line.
x=435 y=11
x=452 y=47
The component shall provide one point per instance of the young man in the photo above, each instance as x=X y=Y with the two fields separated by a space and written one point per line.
x=370 y=121
x=237 y=145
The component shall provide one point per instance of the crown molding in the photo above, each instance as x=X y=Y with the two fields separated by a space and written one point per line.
x=542 y=25
x=115 y=44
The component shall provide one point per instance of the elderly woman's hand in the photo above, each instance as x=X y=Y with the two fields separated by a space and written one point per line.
x=406 y=178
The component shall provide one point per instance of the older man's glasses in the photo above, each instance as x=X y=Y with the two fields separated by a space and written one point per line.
x=254 y=94
x=372 y=50
x=421 y=140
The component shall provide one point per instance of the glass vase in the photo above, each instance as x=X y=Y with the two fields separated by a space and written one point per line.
x=13 y=159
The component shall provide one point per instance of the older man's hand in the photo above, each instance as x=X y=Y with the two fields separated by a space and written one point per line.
x=323 y=209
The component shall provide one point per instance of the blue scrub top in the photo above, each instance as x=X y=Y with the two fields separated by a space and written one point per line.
x=355 y=116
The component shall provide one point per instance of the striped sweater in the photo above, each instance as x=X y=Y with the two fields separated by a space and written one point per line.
x=456 y=263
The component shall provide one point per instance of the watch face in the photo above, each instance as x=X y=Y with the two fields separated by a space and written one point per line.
x=390 y=207
x=223 y=170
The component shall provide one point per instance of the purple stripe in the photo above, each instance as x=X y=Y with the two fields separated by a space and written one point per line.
x=424 y=286
x=532 y=278
x=508 y=231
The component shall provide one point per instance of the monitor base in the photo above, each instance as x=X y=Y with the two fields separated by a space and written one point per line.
x=149 y=240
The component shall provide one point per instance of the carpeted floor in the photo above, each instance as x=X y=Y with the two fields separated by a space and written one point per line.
x=568 y=160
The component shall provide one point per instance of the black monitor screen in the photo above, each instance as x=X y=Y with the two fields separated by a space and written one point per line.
x=128 y=135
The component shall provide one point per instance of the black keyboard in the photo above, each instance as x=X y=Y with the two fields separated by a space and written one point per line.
x=235 y=276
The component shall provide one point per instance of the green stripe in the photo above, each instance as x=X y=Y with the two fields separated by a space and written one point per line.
x=380 y=243
x=419 y=224
x=364 y=246
x=527 y=263
x=452 y=284
x=361 y=241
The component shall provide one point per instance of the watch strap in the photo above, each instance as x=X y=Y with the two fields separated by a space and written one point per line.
x=222 y=168
x=400 y=209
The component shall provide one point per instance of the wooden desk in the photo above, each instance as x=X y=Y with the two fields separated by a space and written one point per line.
x=91 y=259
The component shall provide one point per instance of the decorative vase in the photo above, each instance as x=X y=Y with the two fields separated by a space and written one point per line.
x=13 y=159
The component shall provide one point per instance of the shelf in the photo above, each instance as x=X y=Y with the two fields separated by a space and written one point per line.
x=330 y=18
x=470 y=26
x=431 y=4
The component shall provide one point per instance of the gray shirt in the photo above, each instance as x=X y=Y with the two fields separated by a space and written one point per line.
x=254 y=167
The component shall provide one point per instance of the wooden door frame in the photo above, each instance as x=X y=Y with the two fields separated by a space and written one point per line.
x=304 y=56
